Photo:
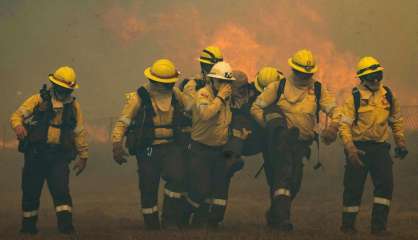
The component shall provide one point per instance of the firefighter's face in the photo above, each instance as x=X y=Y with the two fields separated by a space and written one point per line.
x=62 y=93
x=373 y=80
x=240 y=91
x=303 y=77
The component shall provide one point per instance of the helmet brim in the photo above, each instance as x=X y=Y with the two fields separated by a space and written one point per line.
x=149 y=75
x=220 y=77
x=61 y=84
x=301 y=69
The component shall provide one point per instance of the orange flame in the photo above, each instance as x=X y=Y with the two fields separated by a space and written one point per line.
x=97 y=134
x=8 y=144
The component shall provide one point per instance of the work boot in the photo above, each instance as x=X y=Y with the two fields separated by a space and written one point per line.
x=270 y=219
x=348 y=222
x=172 y=212
x=29 y=226
x=379 y=219
x=285 y=226
x=216 y=216
x=280 y=213
x=152 y=221
x=65 y=223
x=201 y=215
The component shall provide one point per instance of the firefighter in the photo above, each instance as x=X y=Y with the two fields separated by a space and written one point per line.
x=51 y=134
x=364 y=130
x=242 y=124
x=211 y=118
x=152 y=120
x=264 y=77
x=299 y=99
x=208 y=57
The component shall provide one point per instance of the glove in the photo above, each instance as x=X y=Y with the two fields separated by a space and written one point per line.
x=119 y=154
x=353 y=156
x=21 y=132
x=233 y=164
x=79 y=166
x=329 y=134
x=225 y=91
x=401 y=152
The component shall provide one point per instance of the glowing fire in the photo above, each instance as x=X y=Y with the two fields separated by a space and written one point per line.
x=8 y=144
x=275 y=31
x=97 y=134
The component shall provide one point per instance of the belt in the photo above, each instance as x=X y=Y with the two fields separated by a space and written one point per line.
x=207 y=146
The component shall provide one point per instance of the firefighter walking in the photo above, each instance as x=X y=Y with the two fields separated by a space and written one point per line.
x=367 y=116
x=208 y=57
x=299 y=98
x=51 y=134
x=211 y=118
x=152 y=120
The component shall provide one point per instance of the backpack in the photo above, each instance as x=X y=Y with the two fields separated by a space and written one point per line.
x=140 y=134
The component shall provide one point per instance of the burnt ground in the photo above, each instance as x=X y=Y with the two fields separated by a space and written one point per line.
x=106 y=202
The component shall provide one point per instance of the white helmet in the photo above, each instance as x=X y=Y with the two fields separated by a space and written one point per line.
x=222 y=71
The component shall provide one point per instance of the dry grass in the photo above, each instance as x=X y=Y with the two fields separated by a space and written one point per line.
x=106 y=203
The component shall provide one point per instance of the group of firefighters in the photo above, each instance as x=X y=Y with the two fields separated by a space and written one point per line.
x=193 y=134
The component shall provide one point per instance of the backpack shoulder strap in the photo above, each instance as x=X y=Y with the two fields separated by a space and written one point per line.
x=389 y=97
x=317 y=91
x=146 y=99
x=356 y=98
x=280 y=89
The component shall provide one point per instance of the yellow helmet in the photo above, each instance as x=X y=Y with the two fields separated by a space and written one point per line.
x=265 y=76
x=368 y=65
x=303 y=61
x=211 y=55
x=163 y=71
x=222 y=71
x=64 y=77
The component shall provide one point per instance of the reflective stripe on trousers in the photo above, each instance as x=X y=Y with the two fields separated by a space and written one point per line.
x=150 y=210
x=62 y=208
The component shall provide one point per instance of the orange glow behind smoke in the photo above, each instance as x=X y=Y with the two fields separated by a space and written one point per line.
x=272 y=32
x=8 y=144
x=97 y=134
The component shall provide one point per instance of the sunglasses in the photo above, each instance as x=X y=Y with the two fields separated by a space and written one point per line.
x=372 y=67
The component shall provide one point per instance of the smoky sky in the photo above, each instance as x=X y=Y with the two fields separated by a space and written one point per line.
x=110 y=43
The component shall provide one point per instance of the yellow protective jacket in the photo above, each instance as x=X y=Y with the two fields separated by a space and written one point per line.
x=298 y=104
x=374 y=118
x=211 y=118
x=163 y=114
x=26 y=110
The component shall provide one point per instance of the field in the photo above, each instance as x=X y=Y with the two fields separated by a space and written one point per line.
x=106 y=202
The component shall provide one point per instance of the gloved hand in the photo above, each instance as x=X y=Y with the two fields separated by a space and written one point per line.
x=119 y=154
x=225 y=91
x=21 y=132
x=233 y=164
x=79 y=166
x=401 y=152
x=329 y=134
x=353 y=156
